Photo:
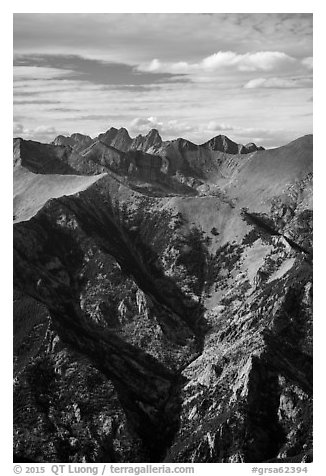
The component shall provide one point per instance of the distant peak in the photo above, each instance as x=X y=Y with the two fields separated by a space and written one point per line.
x=153 y=132
x=76 y=140
x=108 y=135
x=220 y=137
x=123 y=130
x=78 y=135
x=146 y=142
x=185 y=143
x=223 y=143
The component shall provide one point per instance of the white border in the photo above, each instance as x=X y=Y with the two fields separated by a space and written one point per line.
x=95 y=6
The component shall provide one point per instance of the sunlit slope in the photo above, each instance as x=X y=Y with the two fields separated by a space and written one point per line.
x=269 y=173
x=32 y=191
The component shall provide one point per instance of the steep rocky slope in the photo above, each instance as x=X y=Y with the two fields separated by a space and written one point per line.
x=160 y=323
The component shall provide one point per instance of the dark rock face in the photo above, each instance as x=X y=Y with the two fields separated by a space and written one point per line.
x=122 y=140
x=144 y=143
x=223 y=144
x=108 y=136
x=155 y=324
x=42 y=158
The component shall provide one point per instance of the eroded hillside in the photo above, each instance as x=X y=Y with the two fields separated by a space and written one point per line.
x=163 y=301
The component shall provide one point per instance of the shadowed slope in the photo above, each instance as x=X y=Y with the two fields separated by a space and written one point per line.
x=42 y=158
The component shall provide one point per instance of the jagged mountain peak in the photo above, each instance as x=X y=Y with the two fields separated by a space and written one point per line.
x=112 y=130
x=184 y=144
x=108 y=136
x=123 y=131
x=146 y=142
x=79 y=136
x=153 y=133
x=76 y=140
x=121 y=140
x=223 y=143
x=153 y=142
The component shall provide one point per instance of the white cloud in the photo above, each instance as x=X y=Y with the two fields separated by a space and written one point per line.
x=260 y=61
x=156 y=66
x=18 y=128
x=308 y=62
x=225 y=60
x=143 y=123
x=217 y=126
x=45 y=130
x=170 y=128
x=278 y=83
x=40 y=133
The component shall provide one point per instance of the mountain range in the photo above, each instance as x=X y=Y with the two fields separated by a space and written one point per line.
x=162 y=300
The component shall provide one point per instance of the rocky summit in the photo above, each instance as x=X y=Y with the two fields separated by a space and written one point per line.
x=162 y=300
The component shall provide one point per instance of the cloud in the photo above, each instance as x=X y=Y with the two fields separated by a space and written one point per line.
x=169 y=129
x=217 y=126
x=278 y=83
x=225 y=60
x=40 y=133
x=18 y=128
x=308 y=62
x=142 y=123
x=136 y=38
x=260 y=61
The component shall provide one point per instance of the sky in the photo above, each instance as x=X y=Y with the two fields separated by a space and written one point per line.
x=247 y=75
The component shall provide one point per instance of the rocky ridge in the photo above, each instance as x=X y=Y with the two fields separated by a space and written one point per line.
x=151 y=142
x=162 y=316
